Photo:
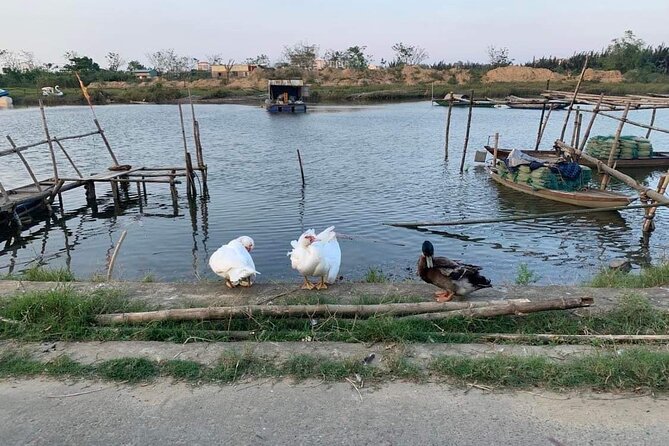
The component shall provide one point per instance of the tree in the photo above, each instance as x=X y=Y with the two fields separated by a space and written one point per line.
x=301 y=55
x=214 y=59
x=499 y=57
x=83 y=64
x=356 y=58
x=135 y=65
x=114 y=61
x=262 y=61
x=625 y=53
x=409 y=54
x=169 y=62
x=228 y=67
x=335 y=59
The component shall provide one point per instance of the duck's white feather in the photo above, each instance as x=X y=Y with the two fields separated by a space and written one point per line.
x=233 y=262
x=322 y=258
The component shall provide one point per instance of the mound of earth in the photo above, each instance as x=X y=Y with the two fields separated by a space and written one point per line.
x=521 y=74
x=605 y=76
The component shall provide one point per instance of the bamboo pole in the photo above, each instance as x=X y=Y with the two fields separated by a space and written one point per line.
x=644 y=190
x=48 y=139
x=573 y=99
x=4 y=193
x=448 y=125
x=652 y=121
x=418 y=224
x=25 y=164
x=112 y=262
x=578 y=129
x=595 y=111
x=614 y=147
x=543 y=129
x=573 y=133
x=22 y=148
x=214 y=313
x=495 y=147
x=189 y=170
x=469 y=122
x=104 y=139
x=299 y=160
x=67 y=155
x=635 y=123
x=508 y=308
x=541 y=123
x=649 y=223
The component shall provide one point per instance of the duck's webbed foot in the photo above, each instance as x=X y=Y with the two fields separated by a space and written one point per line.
x=246 y=282
x=322 y=285
x=307 y=285
x=228 y=283
x=443 y=296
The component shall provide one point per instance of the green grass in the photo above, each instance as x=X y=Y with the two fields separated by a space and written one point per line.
x=375 y=275
x=651 y=276
x=628 y=370
x=69 y=316
x=525 y=275
x=40 y=274
x=631 y=369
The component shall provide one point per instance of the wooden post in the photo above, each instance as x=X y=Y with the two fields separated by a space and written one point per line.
x=494 y=156
x=67 y=155
x=104 y=139
x=595 y=111
x=543 y=128
x=25 y=163
x=173 y=190
x=299 y=159
x=541 y=123
x=614 y=147
x=579 y=119
x=652 y=121
x=189 y=169
x=192 y=192
x=115 y=195
x=448 y=124
x=196 y=133
x=89 y=187
x=469 y=122
x=48 y=140
x=144 y=188
x=4 y=193
x=573 y=99
x=648 y=223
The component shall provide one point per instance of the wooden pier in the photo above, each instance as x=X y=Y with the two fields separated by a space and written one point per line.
x=16 y=203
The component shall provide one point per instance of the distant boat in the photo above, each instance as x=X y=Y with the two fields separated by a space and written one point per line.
x=5 y=100
x=462 y=100
x=286 y=96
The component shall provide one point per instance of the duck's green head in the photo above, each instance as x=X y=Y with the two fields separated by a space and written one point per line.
x=428 y=252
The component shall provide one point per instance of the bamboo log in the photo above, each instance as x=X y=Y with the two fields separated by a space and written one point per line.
x=25 y=164
x=652 y=121
x=84 y=135
x=650 y=193
x=48 y=139
x=614 y=147
x=649 y=224
x=67 y=155
x=104 y=138
x=541 y=123
x=417 y=224
x=112 y=262
x=595 y=111
x=543 y=128
x=469 y=122
x=214 y=313
x=189 y=169
x=508 y=308
x=573 y=100
x=448 y=125
x=22 y=148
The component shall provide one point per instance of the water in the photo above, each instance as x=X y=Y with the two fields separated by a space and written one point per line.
x=364 y=166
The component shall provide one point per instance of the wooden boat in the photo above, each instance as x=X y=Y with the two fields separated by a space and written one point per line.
x=535 y=106
x=591 y=198
x=658 y=160
x=462 y=100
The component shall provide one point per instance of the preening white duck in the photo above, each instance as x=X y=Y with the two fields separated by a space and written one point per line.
x=233 y=262
x=318 y=256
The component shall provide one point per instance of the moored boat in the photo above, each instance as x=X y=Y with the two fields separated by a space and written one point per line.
x=462 y=100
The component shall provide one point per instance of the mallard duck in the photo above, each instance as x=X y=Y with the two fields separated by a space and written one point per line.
x=316 y=255
x=454 y=277
x=233 y=262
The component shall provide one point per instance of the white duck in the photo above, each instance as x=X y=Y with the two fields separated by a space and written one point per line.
x=234 y=263
x=316 y=255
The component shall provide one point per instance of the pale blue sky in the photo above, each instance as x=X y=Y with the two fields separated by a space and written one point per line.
x=449 y=30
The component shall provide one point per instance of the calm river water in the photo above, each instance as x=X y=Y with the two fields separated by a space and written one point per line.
x=364 y=166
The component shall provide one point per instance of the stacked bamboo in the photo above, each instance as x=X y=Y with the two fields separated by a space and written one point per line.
x=422 y=310
x=636 y=101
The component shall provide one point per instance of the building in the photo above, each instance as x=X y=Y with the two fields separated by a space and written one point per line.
x=237 y=70
x=320 y=64
x=203 y=66
x=145 y=74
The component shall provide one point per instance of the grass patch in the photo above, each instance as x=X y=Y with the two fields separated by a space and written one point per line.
x=183 y=370
x=40 y=274
x=525 y=276
x=628 y=370
x=128 y=370
x=375 y=275
x=651 y=276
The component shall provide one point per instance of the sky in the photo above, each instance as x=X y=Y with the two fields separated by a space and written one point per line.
x=449 y=30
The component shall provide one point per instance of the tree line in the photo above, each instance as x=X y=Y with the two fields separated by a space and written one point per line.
x=629 y=54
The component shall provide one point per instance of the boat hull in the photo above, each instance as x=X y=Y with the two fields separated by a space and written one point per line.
x=286 y=108
x=660 y=159
x=588 y=199
x=445 y=102
x=526 y=106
